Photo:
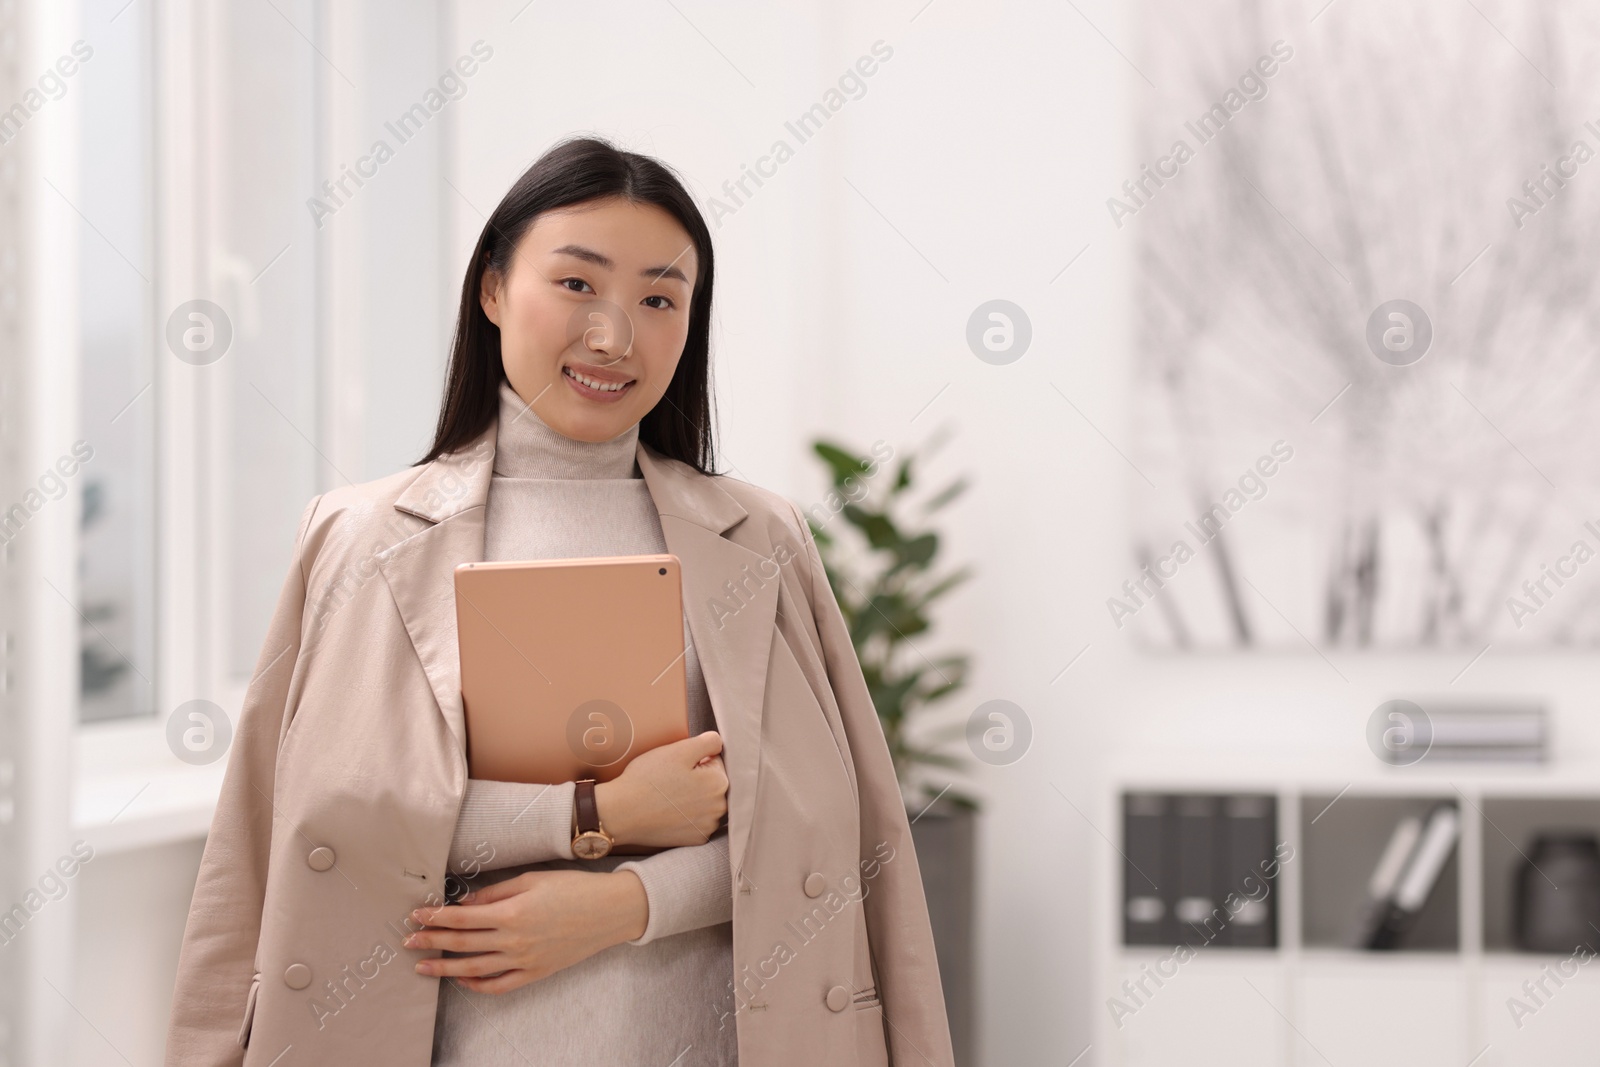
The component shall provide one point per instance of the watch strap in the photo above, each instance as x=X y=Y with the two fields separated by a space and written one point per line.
x=586 y=811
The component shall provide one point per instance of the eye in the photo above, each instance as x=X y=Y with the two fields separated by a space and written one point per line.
x=658 y=296
x=563 y=282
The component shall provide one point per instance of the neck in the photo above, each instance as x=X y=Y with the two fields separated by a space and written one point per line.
x=528 y=447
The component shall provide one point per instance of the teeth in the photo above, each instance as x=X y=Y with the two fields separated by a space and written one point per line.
x=593 y=383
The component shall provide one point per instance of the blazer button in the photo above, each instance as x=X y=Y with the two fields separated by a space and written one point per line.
x=838 y=998
x=298 y=976
x=815 y=884
x=320 y=859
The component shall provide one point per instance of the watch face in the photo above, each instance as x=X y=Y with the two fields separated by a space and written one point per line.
x=590 y=846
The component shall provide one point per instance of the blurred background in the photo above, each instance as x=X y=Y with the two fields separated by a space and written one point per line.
x=1244 y=350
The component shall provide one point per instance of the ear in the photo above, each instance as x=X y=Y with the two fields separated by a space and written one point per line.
x=489 y=294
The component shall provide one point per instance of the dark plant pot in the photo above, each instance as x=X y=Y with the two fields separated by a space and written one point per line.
x=1552 y=919
x=945 y=837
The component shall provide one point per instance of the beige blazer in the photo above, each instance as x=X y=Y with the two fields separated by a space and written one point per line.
x=348 y=768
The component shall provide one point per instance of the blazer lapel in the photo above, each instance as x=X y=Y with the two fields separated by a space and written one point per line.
x=449 y=495
x=730 y=604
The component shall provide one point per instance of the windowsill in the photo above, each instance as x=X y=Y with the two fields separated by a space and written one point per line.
x=130 y=791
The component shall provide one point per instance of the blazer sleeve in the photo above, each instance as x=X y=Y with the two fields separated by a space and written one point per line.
x=898 y=930
x=216 y=963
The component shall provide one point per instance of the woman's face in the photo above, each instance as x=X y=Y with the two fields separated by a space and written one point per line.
x=593 y=314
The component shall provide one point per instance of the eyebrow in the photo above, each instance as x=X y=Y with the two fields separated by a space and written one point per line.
x=599 y=259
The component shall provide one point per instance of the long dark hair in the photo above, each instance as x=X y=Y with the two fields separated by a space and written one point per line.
x=572 y=171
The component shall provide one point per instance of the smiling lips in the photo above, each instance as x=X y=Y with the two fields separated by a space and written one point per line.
x=596 y=386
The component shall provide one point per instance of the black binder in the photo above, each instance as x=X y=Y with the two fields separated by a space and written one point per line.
x=1145 y=906
x=1193 y=857
x=1184 y=855
x=1250 y=846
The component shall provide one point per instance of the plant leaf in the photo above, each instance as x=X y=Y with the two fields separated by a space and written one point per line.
x=947 y=583
x=878 y=527
x=902 y=478
x=945 y=495
x=842 y=463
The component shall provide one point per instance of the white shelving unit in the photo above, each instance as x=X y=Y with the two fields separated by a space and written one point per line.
x=1316 y=1003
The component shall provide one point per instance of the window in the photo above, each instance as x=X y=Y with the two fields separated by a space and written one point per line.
x=192 y=177
x=117 y=486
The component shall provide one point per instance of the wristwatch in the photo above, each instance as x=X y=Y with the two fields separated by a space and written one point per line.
x=589 y=839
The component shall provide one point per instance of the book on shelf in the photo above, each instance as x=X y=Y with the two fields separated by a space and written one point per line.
x=1456 y=728
x=1407 y=872
x=1513 y=733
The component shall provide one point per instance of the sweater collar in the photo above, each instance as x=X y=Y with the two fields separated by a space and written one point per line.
x=528 y=447
x=455 y=487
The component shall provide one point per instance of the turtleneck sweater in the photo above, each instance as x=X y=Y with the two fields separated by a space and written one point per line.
x=662 y=997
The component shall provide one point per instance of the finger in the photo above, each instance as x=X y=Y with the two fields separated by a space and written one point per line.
x=500 y=983
x=432 y=916
x=704 y=744
x=474 y=916
x=455 y=940
x=718 y=774
x=465 y=966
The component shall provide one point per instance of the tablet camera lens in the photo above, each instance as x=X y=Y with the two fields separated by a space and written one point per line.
x=663 y=570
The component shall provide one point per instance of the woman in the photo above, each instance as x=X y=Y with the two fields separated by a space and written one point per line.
x=576 y=422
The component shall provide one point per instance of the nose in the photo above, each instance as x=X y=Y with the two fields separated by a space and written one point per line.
x=602 y=331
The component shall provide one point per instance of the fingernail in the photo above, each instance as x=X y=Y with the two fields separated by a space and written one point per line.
x=423 y=968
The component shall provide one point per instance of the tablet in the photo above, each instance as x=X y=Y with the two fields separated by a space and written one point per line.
x=570 y=667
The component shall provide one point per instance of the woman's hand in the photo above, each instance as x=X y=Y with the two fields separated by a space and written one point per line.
x=531 y=926
x=672 y=795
